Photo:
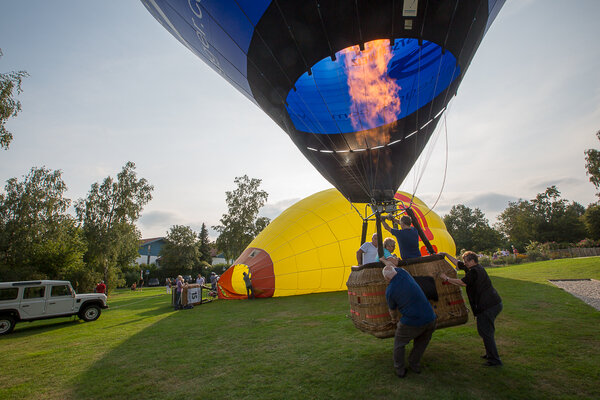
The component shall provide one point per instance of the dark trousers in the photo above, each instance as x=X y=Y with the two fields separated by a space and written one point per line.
x=486 y=329
x=177 y=300
x=420 y=335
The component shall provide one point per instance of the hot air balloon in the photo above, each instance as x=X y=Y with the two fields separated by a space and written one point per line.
x=312 y=245
x=359 y=86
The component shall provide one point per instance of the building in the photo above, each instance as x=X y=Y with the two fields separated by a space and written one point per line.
x=149 y=250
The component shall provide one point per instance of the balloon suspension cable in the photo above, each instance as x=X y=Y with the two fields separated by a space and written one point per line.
x=445 y=169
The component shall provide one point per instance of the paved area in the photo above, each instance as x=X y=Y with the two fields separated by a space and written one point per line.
x=587 y=290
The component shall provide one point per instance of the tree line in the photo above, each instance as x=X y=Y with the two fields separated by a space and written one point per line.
x=40 y=239
x=547 y=218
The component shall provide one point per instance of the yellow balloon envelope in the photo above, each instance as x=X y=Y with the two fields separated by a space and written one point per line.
x=311 y=246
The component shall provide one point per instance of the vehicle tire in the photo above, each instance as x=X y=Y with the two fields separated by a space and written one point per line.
x=7 y=324
x=90 y=313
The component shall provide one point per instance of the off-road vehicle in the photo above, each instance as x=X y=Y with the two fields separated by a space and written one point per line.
x=33 y=300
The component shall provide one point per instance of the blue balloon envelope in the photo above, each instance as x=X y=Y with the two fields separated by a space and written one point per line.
x=359 y=86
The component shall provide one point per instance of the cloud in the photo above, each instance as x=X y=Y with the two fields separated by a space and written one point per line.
x=158 y=222
x=272 y=211
x=558 y=182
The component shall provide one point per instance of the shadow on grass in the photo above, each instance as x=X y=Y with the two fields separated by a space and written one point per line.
x=306 y=347
x=26 y=329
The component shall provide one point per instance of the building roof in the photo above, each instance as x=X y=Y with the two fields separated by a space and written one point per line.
x=144 y=242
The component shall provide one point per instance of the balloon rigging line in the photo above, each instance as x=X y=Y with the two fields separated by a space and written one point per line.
x=445 y=169
x=445 y=97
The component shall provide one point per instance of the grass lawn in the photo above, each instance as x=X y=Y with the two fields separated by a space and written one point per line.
x=306 y=347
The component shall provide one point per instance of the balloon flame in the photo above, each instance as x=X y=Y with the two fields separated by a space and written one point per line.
x=373 y=93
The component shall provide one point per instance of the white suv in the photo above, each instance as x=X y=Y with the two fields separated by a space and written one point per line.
x=33 y=300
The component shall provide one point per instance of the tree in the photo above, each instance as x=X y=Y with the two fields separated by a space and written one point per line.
x=591 y=218
x=108 y=217
x=592 y=164
x=10 y=84
x=180 y=253
x=242 y=223
x=547 y=218
x=204 y=245
x=470 y=229
x=38 y=239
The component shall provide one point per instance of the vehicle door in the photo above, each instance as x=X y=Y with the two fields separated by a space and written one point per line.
x=33 y=303
x=60 y=300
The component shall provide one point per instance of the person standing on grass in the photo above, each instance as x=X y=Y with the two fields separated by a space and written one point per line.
x=368 y=253
x=407 y=236
x=249 y=288
x=484 y=299
x=418 y=319
x=101 y=288
x=178 y=292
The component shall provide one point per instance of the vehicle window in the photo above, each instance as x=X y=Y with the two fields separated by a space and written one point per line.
x=60 y=290
x=34 y=292
x=9 y=293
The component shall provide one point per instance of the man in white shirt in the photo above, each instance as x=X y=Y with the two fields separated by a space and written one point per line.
x=368 y=253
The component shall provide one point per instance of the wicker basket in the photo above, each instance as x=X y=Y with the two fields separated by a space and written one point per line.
x=368 y=306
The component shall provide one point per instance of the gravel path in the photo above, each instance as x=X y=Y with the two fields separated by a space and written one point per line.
x=587 y=290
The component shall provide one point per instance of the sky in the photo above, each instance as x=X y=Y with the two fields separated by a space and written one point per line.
x=108 y=84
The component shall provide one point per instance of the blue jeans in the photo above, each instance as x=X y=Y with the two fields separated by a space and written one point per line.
x=486 y=329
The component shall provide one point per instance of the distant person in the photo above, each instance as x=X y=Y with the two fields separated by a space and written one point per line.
x=389 y=244
x=485 y=301
x=214 y=278
x=179 y=290
x=249 y=288
x=168 y=285
x=134 y=286
x=418 y=320
x=407 y=236
x=368 y=253
x=200 y=280
x=101 y=288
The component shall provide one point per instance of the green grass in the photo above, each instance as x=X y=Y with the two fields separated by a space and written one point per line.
x=306 y=347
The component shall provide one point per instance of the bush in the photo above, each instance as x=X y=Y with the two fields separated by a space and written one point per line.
x=537 y=251
x=485 y=261
x=586 y=243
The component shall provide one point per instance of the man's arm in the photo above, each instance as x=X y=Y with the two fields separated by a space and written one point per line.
x=359 y=256
x=385 y=225
x=445 y=278
x=394 y=316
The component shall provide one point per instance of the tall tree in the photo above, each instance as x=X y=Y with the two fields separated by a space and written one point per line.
x=108 y=215
x=471 y=230
x=241 y=224
x=546 y=218
x=180 y=253
x=10 y=85
x=592 y=164
x=38 y=238
x=204 y=245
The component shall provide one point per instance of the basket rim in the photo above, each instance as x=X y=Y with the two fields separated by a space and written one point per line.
x=410 y=261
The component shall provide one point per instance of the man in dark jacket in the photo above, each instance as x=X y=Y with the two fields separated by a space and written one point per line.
x=417 y=323
x=485 y=301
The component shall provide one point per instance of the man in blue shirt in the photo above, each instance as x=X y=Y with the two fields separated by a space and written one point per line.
x=418 y=319
x=407 y=236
